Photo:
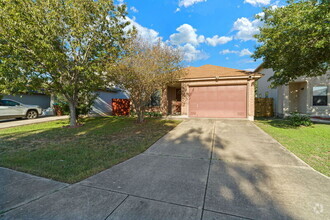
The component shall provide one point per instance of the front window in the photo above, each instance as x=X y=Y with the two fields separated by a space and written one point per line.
x=178 y=94
x=320 y=96
x=155 y=99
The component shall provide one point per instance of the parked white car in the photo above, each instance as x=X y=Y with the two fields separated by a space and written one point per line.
x=13 y=109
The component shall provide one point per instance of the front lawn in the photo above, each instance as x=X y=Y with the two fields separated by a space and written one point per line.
x=73 y=154
x=311 y=144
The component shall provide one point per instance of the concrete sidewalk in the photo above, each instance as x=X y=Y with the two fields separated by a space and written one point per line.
x=203 y=169
x=14 y=122
x=19 y=188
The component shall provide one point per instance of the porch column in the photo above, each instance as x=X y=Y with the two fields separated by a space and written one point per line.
x=250 y=99
x=184 y=98
x=286 y=100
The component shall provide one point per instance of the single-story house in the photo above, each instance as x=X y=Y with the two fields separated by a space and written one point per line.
x=102 y=104
x=212 y=92
x=305 y=95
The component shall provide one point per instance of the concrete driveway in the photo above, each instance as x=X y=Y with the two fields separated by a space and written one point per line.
x=7 y=123
x=203 y=169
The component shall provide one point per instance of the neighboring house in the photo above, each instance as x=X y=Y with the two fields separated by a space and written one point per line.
x=31 y=99
x=306 y=95
x=102 y=104
x=212 y=92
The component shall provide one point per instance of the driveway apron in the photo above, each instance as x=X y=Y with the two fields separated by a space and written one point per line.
x=202 y=169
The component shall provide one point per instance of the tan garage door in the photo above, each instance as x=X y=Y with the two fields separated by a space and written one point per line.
x=218 y=101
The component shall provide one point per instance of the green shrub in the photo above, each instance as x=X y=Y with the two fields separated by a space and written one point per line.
x=297 y=119
x=154 y=114
x=84 y=106
x=147 y=114
x=132 y=113
x=64 y=107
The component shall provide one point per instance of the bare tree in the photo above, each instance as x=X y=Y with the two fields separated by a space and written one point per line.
x=146 y=68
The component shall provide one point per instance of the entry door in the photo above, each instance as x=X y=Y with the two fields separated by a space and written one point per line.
x=218 y=101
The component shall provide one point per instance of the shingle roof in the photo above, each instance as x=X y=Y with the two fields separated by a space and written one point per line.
x=208 y=71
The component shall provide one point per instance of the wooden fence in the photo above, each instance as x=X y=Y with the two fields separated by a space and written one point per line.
x=264 y=107
x=120 y=107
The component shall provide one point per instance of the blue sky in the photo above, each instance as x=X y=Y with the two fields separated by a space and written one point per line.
x=217 y=32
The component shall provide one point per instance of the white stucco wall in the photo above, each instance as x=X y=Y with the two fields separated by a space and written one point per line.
x=264 y=87
x=281 y=94
x=312 y=82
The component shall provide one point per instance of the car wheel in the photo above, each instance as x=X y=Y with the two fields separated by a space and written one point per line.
x=32 y=114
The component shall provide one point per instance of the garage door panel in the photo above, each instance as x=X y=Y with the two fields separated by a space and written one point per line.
x=218 y=101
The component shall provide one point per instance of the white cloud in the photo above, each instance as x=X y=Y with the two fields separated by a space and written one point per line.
x=187 y=34
x=226 y=51
x=133 y=9
x=187 y=40
x=191 y=53
x=186 y=37
x=146 y=33
x=258 y=2
x=120 y=2
x=187 y=3
x=261 y=14
x=216 y=40
x=201 y=39
x=177 y=10
x=244 y=52
x=246 y=28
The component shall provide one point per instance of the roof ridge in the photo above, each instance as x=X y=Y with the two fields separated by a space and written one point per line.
x=216 y=66
x=208 y=70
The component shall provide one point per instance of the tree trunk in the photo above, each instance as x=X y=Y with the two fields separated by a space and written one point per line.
x=73 y=114
x=140 y=114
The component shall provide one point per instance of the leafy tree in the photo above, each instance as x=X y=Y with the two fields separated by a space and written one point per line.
x=62 y=46
x=84 y=104
x=146 y=68
x=295 y=40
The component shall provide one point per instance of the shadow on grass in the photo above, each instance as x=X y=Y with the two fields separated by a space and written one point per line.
x=277 y=122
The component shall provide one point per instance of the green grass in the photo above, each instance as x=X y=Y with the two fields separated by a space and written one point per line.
x=73 y=154
x=311 y=144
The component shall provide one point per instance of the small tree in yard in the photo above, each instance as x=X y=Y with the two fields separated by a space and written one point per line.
x=295 y=40
x=146 y=68
x=60 y=46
